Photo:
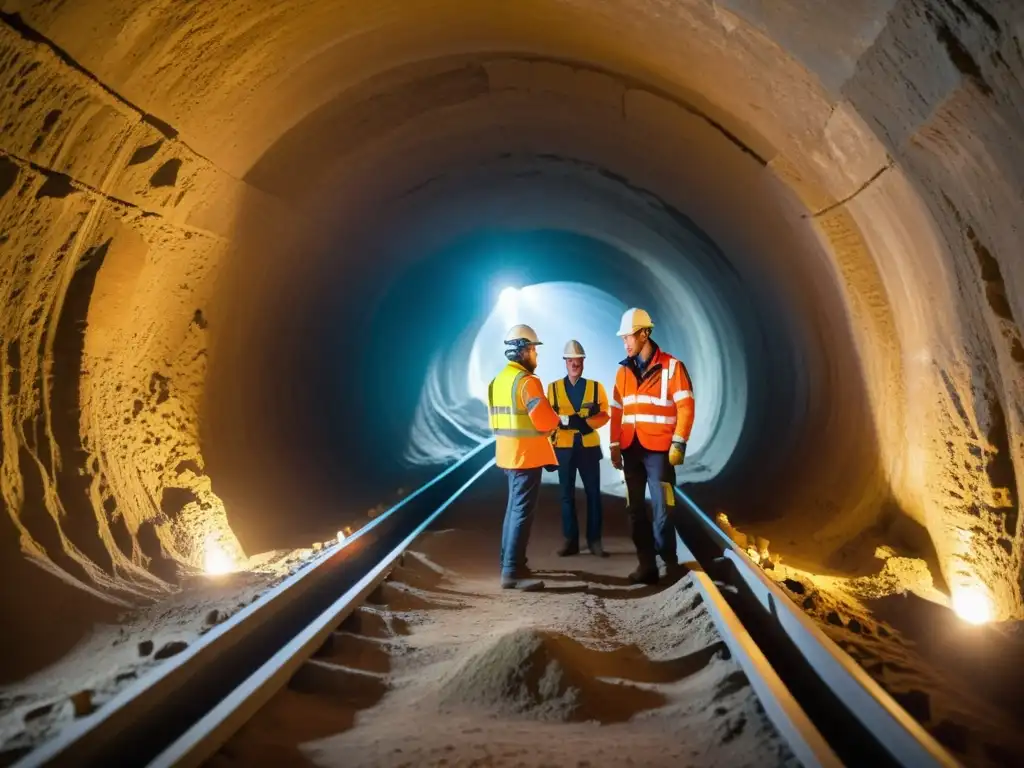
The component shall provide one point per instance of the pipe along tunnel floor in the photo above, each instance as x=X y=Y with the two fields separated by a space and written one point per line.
x=442 y=667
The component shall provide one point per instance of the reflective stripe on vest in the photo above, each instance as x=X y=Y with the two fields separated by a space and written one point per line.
x=507 y=418
x=646 y=418
x=648 y=408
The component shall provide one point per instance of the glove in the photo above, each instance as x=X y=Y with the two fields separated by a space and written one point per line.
x=616 y=457
x=578 y=423
x=550 y=467
x=677 y=453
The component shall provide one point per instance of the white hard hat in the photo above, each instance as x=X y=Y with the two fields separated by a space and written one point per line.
x=633 y=320
x=521 y=336
x=573 y=349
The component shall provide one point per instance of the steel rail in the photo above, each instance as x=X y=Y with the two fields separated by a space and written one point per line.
x=141 y=721
x=861 y=722
x=828 y=710
x=203 y=739
x=785 y=713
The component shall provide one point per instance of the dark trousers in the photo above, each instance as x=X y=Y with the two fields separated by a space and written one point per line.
x=523 y=493
x=586 y=461
x=645 y=470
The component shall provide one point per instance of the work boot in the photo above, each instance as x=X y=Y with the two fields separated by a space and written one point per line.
x=522 y=584
x=570 y=547
x=674 y=571
x=644 y=576
x=597 y=550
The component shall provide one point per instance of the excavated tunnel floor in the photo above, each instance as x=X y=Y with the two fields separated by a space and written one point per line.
x=443 y=667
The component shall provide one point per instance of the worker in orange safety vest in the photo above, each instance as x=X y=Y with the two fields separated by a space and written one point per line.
x=522 y=421
x=652 y=411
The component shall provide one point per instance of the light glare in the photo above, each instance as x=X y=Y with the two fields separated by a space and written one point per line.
x=973 y=604
x=216 y=561
x=508 y=296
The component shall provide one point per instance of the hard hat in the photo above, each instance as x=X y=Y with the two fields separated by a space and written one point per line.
x=633 y=320
x=573 y=349
x=521 y=336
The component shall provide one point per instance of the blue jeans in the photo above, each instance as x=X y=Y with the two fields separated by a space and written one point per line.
x=523 y=493
x=645 y=470
x=587 y=461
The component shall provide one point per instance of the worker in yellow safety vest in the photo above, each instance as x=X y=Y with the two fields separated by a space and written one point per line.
x=522 y=421
x=652 y=415
x=582 y=408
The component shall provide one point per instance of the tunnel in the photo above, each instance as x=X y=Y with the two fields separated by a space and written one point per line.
x=255 y=254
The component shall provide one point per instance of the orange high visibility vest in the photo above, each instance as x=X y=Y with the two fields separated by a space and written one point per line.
x=654 y=409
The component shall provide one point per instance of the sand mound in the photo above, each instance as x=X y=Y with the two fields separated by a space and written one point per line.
x=418 y=570
x=396 y=596
x=543 y=676
x=668 y=623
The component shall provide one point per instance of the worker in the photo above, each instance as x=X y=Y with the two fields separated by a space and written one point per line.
x=523 y=422
x=652 y=412
x=582 y=408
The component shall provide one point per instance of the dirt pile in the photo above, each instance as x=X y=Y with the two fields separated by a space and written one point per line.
x=543 y=676
x=667 y=623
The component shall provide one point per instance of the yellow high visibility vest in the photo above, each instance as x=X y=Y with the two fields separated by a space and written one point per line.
x=508 y=416
x=559 y=399
x=518 y=443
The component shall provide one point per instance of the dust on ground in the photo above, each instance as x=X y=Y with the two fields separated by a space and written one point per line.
x=113 y=656
x=962 y=683
x=442 y=667
x=881 y=604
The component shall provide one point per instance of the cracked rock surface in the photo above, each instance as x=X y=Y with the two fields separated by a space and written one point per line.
x=198 y=200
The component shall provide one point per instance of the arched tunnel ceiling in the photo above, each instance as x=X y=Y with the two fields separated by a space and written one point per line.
x=860 y=161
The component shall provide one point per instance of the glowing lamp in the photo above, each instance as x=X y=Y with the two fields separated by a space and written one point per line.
x=216 y=560
x=973 y=604
x=507 y=297
x=341 y=536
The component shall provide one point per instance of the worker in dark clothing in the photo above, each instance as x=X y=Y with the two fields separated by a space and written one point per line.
x=582 y=408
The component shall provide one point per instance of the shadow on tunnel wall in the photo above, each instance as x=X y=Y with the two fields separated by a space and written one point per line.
x=67 y=517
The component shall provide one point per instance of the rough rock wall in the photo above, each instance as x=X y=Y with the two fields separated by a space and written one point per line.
x=110 y=228
x=941 y=89
x=901 y=136
x=916 y=181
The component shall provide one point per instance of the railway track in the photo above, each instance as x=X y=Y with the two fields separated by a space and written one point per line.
x=825 y=707
x=830 y=712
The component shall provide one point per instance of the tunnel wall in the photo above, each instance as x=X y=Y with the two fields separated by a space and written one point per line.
x=891 y=123
x=113 y=229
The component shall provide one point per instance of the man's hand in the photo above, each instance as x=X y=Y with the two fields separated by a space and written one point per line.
x=616 y=457
x=577 y=423
x=677 y=453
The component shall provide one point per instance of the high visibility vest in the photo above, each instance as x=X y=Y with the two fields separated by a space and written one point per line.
x=591 y=406
x=519 y=444
x=655 y=408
